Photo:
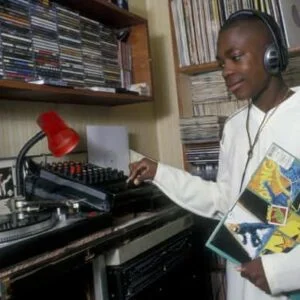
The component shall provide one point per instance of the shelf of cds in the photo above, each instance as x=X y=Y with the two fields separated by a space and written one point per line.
x=64 y=51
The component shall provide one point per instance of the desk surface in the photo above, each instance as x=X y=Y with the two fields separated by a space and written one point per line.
x=15 y=264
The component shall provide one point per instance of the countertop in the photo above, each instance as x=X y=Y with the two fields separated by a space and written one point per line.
x=83 y=241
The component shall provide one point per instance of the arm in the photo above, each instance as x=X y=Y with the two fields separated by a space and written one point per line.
x=199 y=196
x=192 y=193
x=283 y=271
x=274 y=273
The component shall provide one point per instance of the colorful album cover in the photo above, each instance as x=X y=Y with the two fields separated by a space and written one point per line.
x=266 y=217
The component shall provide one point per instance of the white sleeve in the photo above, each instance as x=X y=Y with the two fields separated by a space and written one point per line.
x=202 y=197
x=282 y=271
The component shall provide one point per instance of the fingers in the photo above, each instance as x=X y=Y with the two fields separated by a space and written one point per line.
x=254 y=272
x=137 y=170
x=142 y=170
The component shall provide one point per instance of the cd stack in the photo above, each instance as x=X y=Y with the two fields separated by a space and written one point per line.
x=125 y=64
x=16 y=44
x=69 y=40
x=110 y=62
x=45 y=43
x=91 y=52
x=1 y=60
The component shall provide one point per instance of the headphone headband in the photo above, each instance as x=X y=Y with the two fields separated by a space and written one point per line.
x=276 y=56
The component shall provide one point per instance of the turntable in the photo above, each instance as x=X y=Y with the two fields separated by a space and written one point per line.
x=20 y=219
x=12 y=228
x=32 y=230
x=40 y=224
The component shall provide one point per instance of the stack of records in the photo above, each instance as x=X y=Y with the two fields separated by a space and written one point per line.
x=204 y=160
x=91 y=52
x=201 y=136
x=16 y=43
x=69 y=40
x=45 y=43
x=201 y=129
x=110 y=62
x=292 y=73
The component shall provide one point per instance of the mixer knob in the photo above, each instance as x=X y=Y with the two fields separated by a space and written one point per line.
x=90 y=176
x=121 y=175
x=78 y=176
x=72 y=169
x=60 y=167
x=48 y=166
x=53 y=167
x=84 y=176
x=114 y=174
x=66 y=168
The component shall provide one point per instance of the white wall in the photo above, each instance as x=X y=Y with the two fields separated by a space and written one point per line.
x=165 y=107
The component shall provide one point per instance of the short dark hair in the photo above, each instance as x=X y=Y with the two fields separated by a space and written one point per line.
x=235 y=20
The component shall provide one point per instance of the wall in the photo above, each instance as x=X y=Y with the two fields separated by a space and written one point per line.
x=165 y=106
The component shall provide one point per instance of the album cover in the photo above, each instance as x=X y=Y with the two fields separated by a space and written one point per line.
x=265 y=219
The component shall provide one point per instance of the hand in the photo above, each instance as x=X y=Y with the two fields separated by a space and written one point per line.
x=254 y=272
x=142 y=170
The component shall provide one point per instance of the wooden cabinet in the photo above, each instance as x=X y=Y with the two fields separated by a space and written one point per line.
x=111 y=15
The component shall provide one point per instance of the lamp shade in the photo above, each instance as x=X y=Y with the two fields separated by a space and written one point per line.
x=61 y=138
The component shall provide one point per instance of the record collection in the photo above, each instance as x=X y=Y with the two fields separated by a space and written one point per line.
x=42 y=41
x=201 y=137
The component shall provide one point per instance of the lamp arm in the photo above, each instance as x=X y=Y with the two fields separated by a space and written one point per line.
x=20 y=162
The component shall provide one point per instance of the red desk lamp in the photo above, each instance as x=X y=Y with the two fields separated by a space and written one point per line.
x=61 y=140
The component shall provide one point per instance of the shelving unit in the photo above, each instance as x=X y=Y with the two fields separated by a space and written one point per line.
x=111 y=15
x=213 y=66
x=18 y=90
x=185 y=72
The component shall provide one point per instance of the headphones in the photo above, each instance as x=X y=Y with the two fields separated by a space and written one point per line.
x=276 y=54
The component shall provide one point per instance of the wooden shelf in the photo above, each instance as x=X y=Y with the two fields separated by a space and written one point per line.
x=196 y=69
x=106 y=13
x=213 y=66
x=18 y=90
x=294 y=52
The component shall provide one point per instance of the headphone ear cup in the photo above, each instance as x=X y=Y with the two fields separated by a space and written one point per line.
x=272 y=60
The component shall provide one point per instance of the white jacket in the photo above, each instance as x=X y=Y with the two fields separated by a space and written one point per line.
x=213 y=199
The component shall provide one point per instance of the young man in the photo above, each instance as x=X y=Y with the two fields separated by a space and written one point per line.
x=252 y=55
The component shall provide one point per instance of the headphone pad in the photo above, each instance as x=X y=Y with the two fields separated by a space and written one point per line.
x=272 y=59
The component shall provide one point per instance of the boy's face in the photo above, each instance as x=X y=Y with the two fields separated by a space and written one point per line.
x=240 y=53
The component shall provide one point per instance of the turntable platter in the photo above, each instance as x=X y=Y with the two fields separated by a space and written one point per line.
x=12 y=228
